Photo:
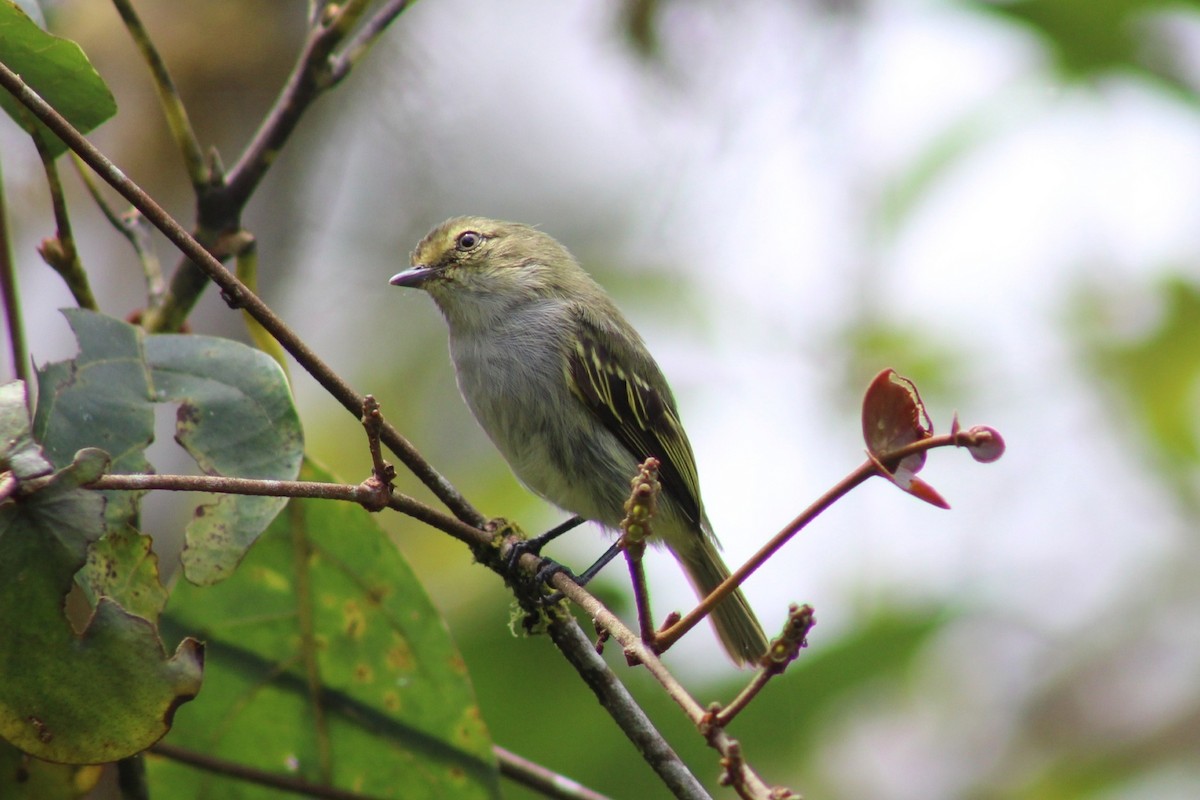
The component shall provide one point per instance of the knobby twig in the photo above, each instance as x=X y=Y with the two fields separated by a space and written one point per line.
x=636 y=528
x=235 y=293
x=783 y=651
x=372 y=420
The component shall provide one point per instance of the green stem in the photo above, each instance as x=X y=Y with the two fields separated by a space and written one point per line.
x=168 y=96
x=12 y=302
x=60 y=252
x=134 y=228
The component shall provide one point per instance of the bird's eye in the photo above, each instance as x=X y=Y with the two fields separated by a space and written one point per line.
x=468 y=240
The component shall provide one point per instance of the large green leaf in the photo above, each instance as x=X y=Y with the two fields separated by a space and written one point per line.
x=57 y=70
x=236 y=418
x=97 y=695
x=101 y=398
x=18 y=451
x=327 y=662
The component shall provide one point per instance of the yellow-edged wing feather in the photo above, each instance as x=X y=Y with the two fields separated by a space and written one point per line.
x=623 y=392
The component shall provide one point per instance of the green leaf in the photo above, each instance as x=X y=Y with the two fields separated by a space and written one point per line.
x=236 y=418
x=327 y=662
x=121 y=566
x=18 y=451
x=95 y=696
x=57 y=70
x=101 y=398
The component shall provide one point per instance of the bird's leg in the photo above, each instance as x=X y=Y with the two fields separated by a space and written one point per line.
x=591 y=572
x=549 y=569
x=535 y=545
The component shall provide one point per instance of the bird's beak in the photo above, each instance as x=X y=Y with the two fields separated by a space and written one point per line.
x=413 y=277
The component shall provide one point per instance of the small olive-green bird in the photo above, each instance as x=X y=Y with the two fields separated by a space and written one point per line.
x=566 y=389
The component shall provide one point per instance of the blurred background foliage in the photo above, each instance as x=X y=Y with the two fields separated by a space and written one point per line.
x=998 y=199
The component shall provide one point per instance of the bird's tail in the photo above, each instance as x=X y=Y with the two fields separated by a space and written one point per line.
x=734 y=621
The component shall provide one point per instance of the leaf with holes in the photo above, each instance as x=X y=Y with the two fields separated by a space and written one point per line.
x=92 y=696
x=236 y=418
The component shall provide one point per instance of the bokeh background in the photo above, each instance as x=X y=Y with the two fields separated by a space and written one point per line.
x=1000 y=200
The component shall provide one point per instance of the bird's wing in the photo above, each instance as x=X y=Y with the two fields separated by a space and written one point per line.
x=620 y=389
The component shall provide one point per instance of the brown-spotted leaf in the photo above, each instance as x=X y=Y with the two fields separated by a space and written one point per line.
x=85 y=697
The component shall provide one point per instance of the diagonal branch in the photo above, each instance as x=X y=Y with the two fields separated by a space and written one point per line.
x=315 y=71
x=168 y=96
x=235 y=292
x=222 y=198
x=540 y=779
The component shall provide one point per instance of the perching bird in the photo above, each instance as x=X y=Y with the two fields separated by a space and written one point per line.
x=566 y=390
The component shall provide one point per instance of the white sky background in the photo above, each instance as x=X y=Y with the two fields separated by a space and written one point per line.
x=744 y=167
x=729 y=172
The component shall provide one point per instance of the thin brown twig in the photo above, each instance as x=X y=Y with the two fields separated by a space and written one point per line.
x=577 y=649
x=311 y=76
x=669 y=636
x=782 y=652
x=365 y=36
x=968 y=438
x=748 y=784
x=540 y=779
x=223 y=485
x=236 y=294
x=132 y=226
x=273 y=780
x=866 y=470
x=361 y=494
